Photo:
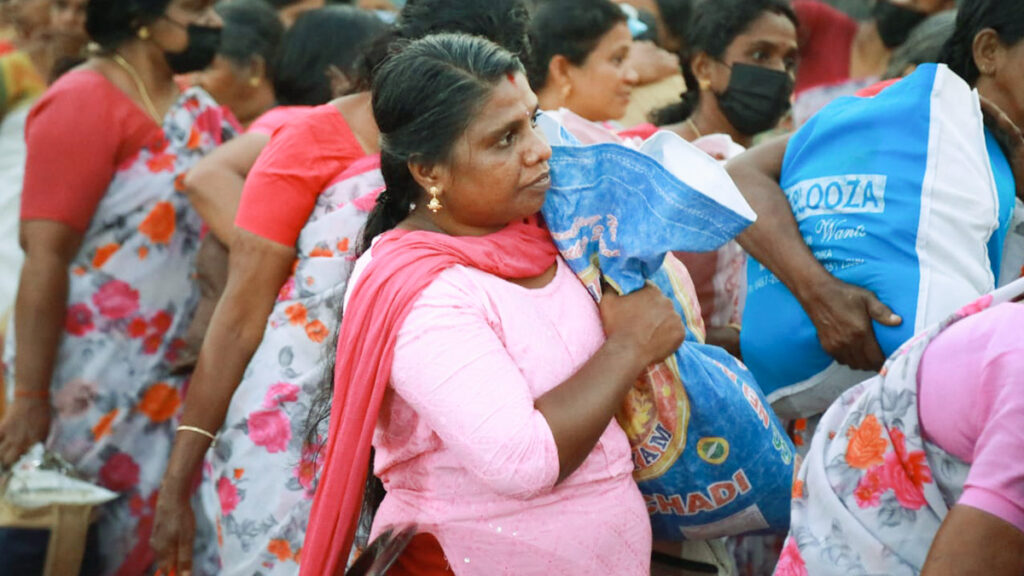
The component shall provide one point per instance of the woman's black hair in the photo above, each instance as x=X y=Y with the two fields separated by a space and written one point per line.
x=569 y=28
x=111 y=22
x=923 y=45
x=714 y=26
x=422 y=126
x=251 y=29
x=973 y=16
x=503 y=22
x=676 y=15
x=321 y=38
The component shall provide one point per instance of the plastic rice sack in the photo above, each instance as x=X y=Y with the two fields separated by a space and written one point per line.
x=904 y=194
x=710 y=458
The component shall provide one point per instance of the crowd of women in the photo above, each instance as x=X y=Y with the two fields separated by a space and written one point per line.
x=204 y=189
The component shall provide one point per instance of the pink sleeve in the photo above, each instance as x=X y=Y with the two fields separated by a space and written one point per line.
x=971 y=404
x=995 y=483
x=452 y=368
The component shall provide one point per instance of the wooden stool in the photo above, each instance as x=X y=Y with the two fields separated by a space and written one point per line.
x=68 y=526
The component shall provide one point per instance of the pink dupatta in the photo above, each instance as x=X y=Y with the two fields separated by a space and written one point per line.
x=404 y=263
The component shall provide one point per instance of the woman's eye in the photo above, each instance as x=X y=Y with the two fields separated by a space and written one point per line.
x=534 y=119
x=507 y=139
x=760 y=55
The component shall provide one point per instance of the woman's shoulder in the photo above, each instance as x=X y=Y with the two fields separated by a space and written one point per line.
x=84 y=77
x=980 y=340
x=272 y=119
x=74 y=88
x=317 y=133
x=90 y=98
x=465 y=286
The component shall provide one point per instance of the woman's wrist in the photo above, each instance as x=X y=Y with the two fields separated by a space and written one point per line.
x=627 y=352
x=31 y=394
x=809 y=285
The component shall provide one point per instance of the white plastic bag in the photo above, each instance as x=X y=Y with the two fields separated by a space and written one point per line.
x=41 y=479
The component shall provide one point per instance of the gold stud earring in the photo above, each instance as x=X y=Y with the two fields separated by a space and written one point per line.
x=254 y=81
x=434 y=205
x=705 y=85
x=143 y=33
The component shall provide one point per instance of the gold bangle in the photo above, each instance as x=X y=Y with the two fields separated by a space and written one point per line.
x=213 y=439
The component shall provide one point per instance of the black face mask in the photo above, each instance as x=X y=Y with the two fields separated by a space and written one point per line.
x=203 y=43
x=756 y=98
x=895 y=22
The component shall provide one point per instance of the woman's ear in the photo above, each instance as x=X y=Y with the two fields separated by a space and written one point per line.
x=257 y=71
x=428 y=176
x=988 y=51
x=560 y=77
x=701 y=67
x=340 y=82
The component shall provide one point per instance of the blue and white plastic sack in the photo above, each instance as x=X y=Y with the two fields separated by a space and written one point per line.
x=710 y=458
x=898 y=194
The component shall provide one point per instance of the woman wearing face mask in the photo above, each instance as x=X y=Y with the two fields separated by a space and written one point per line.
x=986 y=51
x=739 y=76
x=107 y=288
x=839 y=56
x=579 y=58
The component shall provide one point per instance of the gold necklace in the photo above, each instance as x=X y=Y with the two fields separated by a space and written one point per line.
x=693 y=126
x=139 y=85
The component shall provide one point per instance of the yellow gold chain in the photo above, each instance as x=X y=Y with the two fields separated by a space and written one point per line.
x=139 y=85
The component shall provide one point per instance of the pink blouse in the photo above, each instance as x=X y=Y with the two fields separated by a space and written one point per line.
x=971 y=403
x=464 y=453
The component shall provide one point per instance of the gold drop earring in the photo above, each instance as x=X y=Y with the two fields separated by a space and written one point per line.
x=435 y=204
x=143 y=33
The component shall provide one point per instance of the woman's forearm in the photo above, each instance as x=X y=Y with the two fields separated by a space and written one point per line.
x=257 y=270
x=39 y=319
x=774 y=239
x=578 y=410
x=215 y=194
x=841 y=313
x=235 y=333
x=214 y=185
x=972 y=542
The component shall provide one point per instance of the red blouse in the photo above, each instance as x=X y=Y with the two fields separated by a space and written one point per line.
x=291 y=172
x=77 y=135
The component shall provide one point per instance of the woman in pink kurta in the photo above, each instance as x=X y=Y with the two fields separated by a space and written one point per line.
x=463 y=452
x=470 y=356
